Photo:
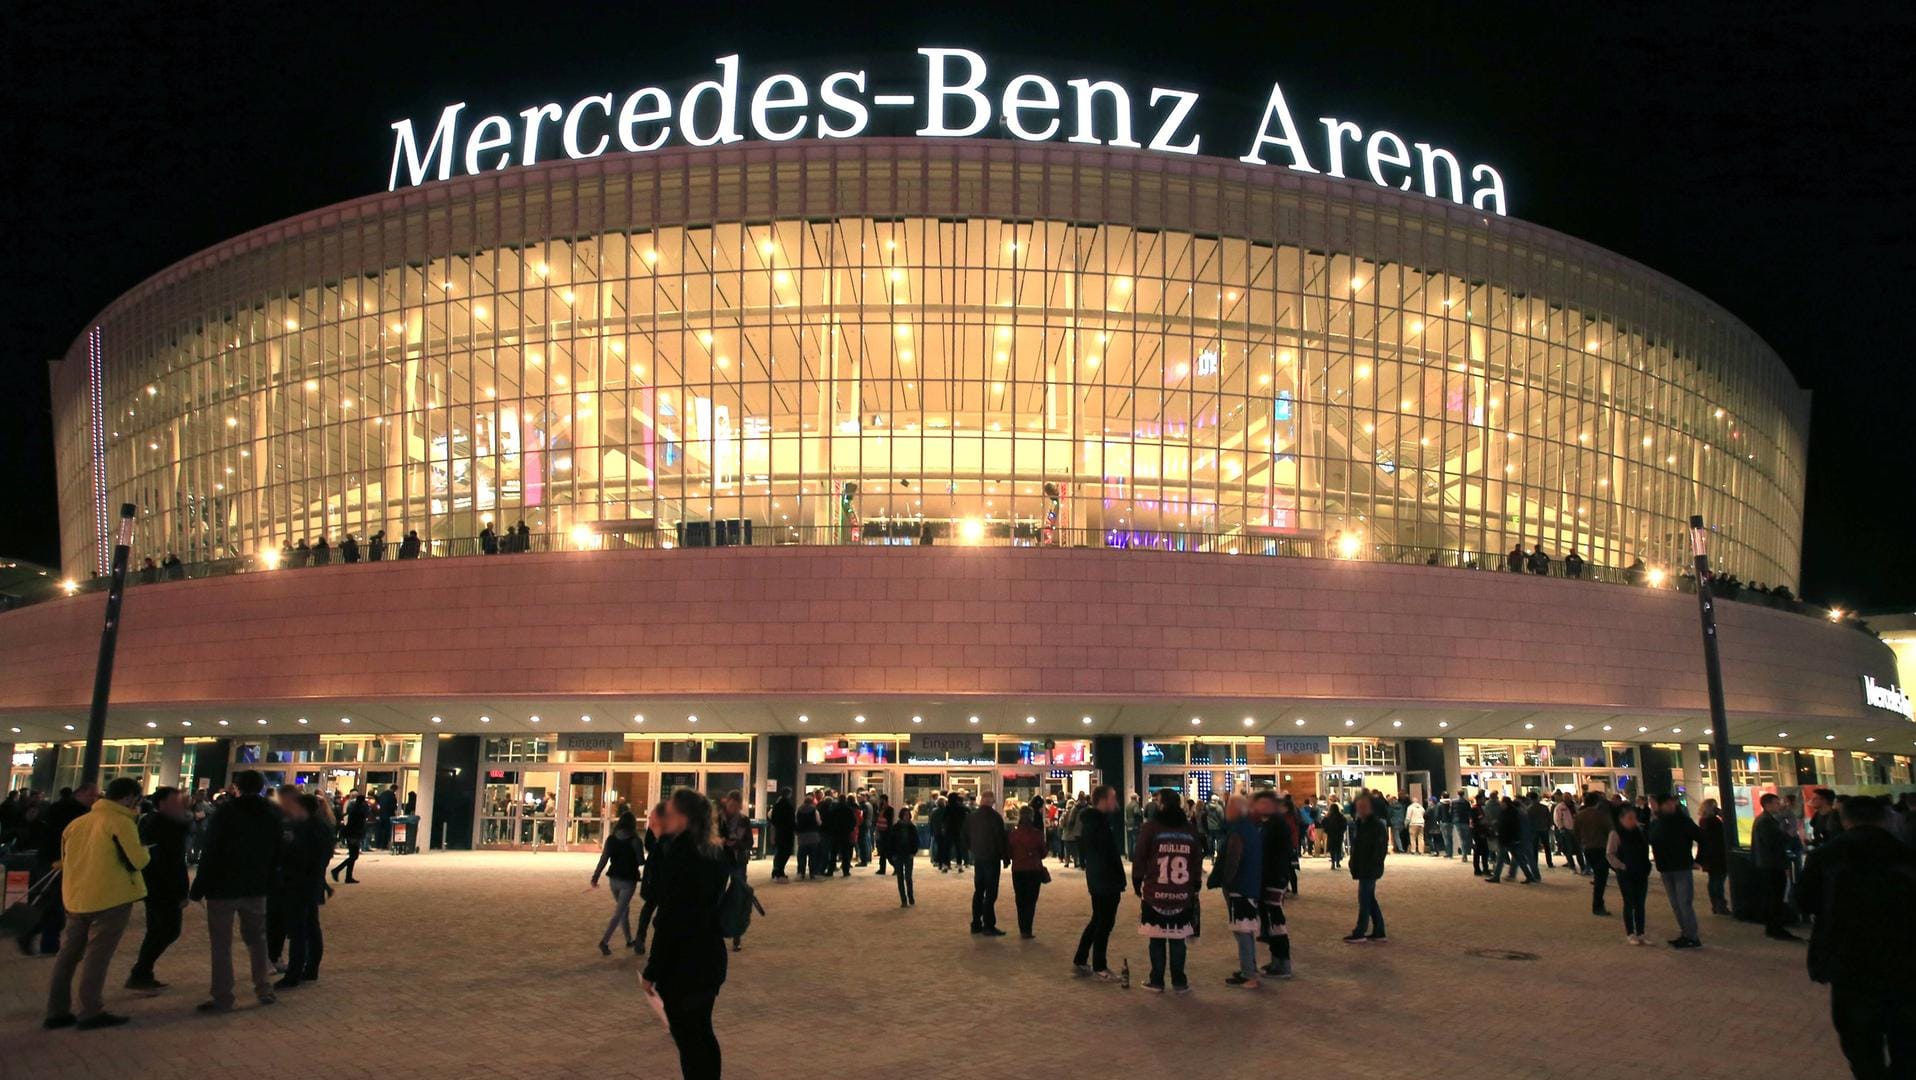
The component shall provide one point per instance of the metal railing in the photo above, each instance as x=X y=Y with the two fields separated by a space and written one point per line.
x=913 y=533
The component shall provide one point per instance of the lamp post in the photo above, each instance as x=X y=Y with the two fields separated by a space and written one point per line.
x=109 y=636
x=1713 y=670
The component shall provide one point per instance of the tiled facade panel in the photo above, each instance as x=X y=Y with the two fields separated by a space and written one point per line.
x=945 y=621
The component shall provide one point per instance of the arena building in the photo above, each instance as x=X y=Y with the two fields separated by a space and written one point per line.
x=926 y=463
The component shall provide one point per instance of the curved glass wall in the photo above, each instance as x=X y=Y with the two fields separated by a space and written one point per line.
x=858 y=378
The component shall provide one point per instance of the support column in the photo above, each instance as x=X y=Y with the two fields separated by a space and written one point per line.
x=1454 y=764
x=1845 y=769
x=428 y=780
x=172 y=749
x=6 y=762
x=760 y=795
x=1130 y=767
x=1692 y=763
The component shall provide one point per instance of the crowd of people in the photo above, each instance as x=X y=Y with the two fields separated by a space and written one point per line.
x=262 y=860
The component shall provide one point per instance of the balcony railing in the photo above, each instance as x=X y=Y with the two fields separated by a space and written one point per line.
x=974 y=534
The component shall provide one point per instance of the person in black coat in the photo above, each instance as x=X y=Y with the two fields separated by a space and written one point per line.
x=687 y=965
x=1860 y=887
x=353 y=831
x=1104 y=878
x=388 y=801
x=164 y=832
x=841 y=820
x=1711 y=855
x=901 y=850
x=782 y=819
x=1370 y=839
x=238 y=865
x=650 y=841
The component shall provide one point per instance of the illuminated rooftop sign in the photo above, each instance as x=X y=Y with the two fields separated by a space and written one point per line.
x=958 y=98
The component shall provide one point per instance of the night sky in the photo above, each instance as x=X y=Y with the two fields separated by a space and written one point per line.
x=1764 y=155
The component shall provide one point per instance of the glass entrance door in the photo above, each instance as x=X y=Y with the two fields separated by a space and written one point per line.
x=586 y=810
x=633 y=790
x=971 y=783
x=816 y=779
x=1017 y=788
x=499 y=809
x=539 y=809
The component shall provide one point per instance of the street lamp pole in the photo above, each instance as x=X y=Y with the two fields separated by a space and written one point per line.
x=1713 y=669
x=109 y=637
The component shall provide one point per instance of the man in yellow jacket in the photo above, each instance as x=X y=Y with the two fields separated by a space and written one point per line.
x=100 y=862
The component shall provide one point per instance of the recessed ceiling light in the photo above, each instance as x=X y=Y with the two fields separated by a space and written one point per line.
x=1641 y=730
x=69 y=727
x=345 y=719
x=1031 y=719
x=691 y=719
x=186 y=723
x=973 y=720
x=302 y=719
x=1782 y=734
x=1087 y=719
x=1195 y=721
x=485 y=719
x=1570 y=727
x=803 y=719
x=438 y=720
x=1350 y=723
x=1396 y=723
x=1528 y=726
x=1443 y=723
x=16 y=731
x=152 y=723
x=262 y=721
x=1832 y=737
x=535 y=719
x=1866 y=738
x=584 y=719
x=917 y=719
x=858 y=719
x=1248 y=722
x=1606 y=727
x=1300 y=721
x=223 y=723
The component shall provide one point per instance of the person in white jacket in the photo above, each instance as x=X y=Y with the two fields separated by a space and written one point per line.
x=1414 y=818
x=1563 y=818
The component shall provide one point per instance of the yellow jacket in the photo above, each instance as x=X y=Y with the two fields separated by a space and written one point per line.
x=101 y=858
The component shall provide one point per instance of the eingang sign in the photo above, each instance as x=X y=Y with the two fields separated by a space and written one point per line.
x=957 y=99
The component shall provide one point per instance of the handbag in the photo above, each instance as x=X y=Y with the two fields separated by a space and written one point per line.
x=1044 y=875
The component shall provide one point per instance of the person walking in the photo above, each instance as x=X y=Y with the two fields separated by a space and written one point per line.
x=236 y=872
x=1712 y=855
x=1103 y=877
x=882 y=817
x=984 y=836
x=163 y=830
x=650 y=841
x=1369 y=845
x=956 y=812
x=1673 y=840
x=1770 y=851
x=352 y=829
x=1028 y=874
x=101 y=859
x=1166 y=869
x=735 y=838
x=1280 y=840
x=1133 y=822
x=805 y=829
x=1240 y=874
x=1859 y=887
x=901 y=851
x=1414 y=821
x=388 y=803
x=1594 y=826
x=687 y=965
x=619 y=862
x=1628 y=852
x=1334 y=825
x=841 y=825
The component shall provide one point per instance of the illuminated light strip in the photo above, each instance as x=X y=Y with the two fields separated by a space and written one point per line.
x=96 y=406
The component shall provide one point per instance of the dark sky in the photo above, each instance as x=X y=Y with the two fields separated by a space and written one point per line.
x=1763 y=154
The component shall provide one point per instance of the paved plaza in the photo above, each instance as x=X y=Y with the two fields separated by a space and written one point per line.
x=485 y=965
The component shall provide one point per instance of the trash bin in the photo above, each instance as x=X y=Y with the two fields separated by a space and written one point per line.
x=405 y=834
x=16 y=868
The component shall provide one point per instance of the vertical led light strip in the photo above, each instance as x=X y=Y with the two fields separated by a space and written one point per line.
x=96 y=407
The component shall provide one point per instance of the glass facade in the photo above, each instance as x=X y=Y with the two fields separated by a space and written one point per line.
x=898 y=341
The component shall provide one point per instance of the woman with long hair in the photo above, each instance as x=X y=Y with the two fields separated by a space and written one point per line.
x=620 y=862
x=688 y=959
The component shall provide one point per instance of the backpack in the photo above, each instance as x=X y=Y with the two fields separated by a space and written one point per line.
x=736 y=907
